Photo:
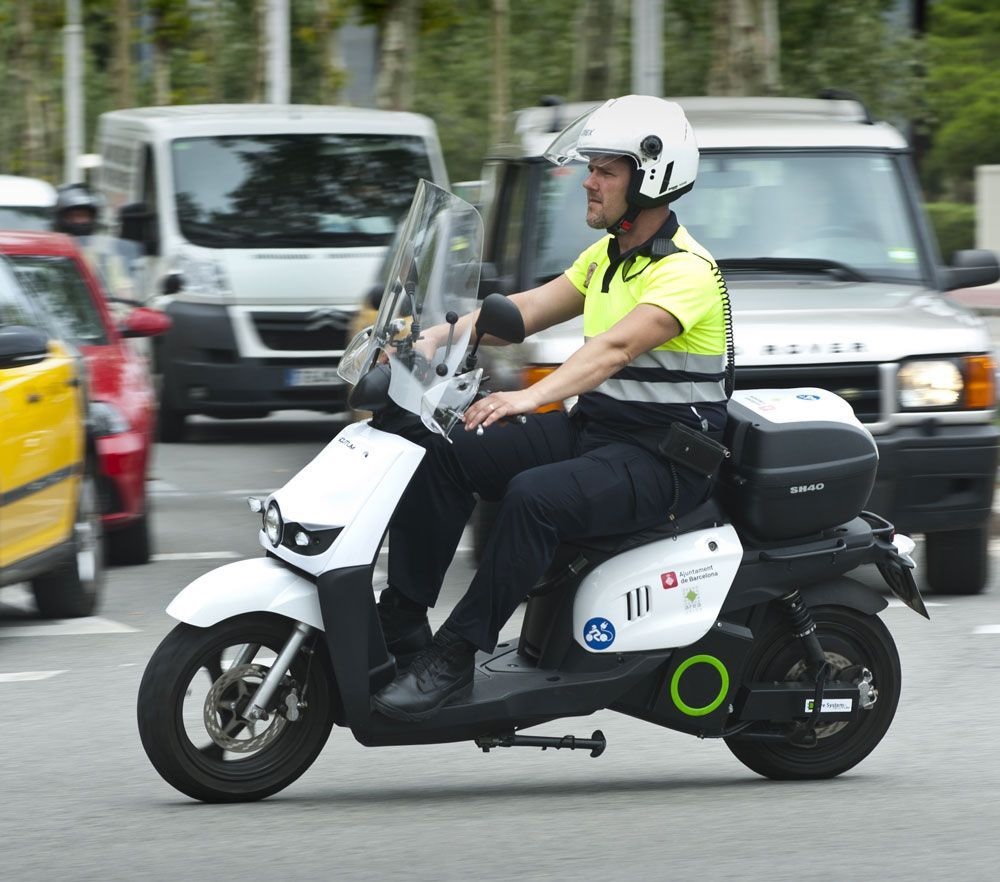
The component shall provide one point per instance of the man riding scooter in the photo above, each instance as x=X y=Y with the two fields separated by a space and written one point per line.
x=656 y=355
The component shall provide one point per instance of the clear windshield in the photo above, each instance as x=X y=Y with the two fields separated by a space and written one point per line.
x=433 y=276
x=849 y=208
x=252 y=191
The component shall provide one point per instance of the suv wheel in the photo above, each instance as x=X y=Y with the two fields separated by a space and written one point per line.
x=74 y=587
x=958 y=560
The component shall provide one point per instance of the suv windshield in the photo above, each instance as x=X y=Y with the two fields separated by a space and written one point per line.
x=845 y=207
x=295 y=190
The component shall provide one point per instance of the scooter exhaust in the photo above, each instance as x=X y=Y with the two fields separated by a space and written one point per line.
x=595 y=743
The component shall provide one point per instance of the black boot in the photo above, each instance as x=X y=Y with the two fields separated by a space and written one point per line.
x=441 y=673
x=404 y=625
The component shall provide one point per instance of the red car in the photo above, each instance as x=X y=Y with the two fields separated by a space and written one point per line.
x=52 y=267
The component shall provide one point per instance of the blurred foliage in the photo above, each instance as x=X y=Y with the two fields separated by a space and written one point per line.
x=955 y=226
x=945 y=88
x=963 y=90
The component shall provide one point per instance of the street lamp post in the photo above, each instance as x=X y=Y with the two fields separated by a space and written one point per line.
x=73 y=90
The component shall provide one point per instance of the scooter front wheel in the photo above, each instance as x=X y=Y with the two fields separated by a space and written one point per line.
x=850 y=640
x=192 y=695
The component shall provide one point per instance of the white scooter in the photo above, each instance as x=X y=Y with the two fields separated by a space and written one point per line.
x=735 y=621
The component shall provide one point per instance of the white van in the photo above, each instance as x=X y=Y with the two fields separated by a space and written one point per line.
x=263 y=226
x=26 y=203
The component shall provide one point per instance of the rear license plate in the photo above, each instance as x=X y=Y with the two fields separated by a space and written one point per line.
x=296 y=377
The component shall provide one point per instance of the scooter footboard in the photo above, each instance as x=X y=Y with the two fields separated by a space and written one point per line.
x=260 y=584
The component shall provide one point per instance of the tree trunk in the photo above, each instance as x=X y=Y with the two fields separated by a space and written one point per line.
x=397 y=47
x=161 y=72
x=500 y=82
x=597 y=62
x=123 y=54
x=745 y=40
x=26 y=71
x=215 y=40
x=260 y=60
x=328 y=18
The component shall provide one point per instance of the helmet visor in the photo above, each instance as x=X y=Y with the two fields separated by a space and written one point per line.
x=566 y=146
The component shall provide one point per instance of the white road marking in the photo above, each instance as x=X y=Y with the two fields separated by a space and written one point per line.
x=986 y=629
x=162 y=488
x=896 y=602
x=25 y=676
x=67 y=627
x=198 y=555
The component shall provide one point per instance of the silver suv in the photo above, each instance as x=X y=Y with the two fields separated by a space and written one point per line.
x=814 y=213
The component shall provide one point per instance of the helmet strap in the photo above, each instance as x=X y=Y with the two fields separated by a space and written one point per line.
x=625 y=223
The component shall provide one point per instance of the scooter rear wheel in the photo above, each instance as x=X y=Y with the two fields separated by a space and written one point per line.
x=191 y=696
x=848 y=638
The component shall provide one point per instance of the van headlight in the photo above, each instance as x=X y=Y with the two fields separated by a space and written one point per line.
x=968 y=382
x=272 y=524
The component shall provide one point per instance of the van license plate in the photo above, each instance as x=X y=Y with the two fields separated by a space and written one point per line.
x=312 y=377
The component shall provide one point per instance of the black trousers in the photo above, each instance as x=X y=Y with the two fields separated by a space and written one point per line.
x=555 y=479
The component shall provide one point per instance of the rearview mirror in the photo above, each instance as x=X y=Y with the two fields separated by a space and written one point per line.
x=972 y=267
x=500 y=318
x=144 y=322
x=22 y=346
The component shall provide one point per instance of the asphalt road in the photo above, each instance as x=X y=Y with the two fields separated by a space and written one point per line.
x=80 y=800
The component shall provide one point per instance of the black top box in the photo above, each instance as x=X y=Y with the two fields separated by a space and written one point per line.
x=800 y=462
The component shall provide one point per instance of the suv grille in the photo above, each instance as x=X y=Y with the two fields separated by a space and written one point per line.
x=858 y=384
x=319 y=331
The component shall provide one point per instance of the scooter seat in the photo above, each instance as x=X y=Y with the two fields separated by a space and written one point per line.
x=708 y=514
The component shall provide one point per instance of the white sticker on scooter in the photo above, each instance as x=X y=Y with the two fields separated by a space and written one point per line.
x=831 y=705
x=599 y=633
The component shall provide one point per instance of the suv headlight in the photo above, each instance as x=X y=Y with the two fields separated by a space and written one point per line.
x=107 y=419
x=968 y=382
x=272 y=524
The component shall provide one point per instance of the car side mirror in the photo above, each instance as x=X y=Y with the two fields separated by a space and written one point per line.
x=144 y=322
x=21 y=346
x=172 y=283
x=138 y=224
x=972 y=267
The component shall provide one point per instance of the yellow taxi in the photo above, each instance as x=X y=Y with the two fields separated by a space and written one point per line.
x=49 y=513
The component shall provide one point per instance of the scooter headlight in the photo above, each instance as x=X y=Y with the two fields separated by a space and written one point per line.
x=273 y=524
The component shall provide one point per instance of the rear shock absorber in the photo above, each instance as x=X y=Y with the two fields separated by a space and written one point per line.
x=804 y=627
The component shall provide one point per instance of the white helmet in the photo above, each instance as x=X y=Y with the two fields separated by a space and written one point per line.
x=652 y=131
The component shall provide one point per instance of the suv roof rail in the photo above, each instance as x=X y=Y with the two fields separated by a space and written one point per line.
x=846 y=95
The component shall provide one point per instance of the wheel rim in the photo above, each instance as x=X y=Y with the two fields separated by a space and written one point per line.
x=845 y=646
x=212 y=734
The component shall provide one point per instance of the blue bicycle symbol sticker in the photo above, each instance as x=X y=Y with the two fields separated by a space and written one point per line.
x=598 y=633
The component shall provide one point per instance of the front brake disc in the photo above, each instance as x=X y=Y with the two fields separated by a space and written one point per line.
x=227 y=699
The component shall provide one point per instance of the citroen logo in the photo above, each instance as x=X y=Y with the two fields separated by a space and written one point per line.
x=326 y=318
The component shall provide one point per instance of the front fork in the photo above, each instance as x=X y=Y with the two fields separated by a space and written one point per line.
x=257 y=708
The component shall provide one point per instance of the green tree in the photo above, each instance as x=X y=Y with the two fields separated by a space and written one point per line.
x=963 y=94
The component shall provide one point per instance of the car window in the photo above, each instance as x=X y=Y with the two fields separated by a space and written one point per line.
x=56 y=282
x=25 y=217
x=15 y=307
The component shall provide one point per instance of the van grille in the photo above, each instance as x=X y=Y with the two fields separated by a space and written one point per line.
x=858 y=384
x=319 y=331
x=637 y=603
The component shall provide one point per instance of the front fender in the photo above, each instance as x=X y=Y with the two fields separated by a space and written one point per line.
x=260 y=584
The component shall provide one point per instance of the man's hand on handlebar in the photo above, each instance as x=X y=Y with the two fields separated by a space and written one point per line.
x=499 y=406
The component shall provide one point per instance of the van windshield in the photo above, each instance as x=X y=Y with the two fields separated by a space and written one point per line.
x=252 y=191
x=845 y=207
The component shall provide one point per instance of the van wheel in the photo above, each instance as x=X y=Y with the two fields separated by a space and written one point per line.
x=73 y=588
x=958 y=560
x=131 y=545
